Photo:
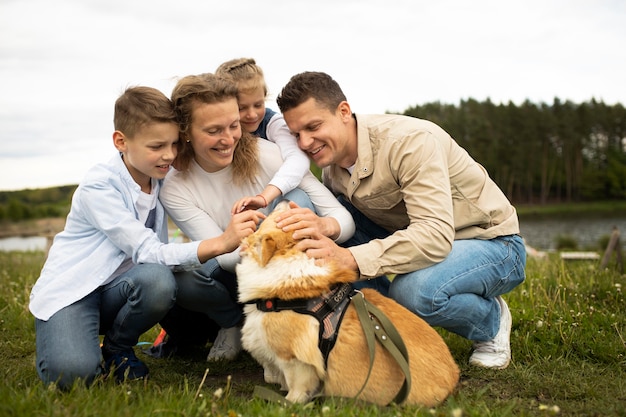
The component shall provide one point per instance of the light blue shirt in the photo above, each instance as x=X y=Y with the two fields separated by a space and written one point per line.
x=101 y=231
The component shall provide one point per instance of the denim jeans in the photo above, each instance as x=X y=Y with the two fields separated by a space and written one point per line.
x=457 y=293
x=212 y=291
x=68 y=344
x=296 y=195
x=366 y=230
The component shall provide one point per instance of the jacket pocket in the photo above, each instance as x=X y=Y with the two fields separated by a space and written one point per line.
x=468 y=214
x=382 y=200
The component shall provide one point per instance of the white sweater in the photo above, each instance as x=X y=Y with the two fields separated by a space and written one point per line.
x=199 y=202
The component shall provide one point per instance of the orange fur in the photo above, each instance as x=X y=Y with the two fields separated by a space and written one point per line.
x=286 y=343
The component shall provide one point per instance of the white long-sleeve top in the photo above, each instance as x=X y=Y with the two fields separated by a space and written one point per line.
x=199 y=202
x=295 y=162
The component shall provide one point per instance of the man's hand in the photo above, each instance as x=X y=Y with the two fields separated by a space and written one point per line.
x=324 y=250
x=304 y=223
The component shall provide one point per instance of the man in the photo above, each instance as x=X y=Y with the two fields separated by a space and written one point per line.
x=424 y=210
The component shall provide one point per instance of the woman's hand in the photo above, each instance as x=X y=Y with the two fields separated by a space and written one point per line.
x=241 y=225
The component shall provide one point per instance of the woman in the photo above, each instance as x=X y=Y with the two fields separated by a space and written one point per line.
x=217 y=165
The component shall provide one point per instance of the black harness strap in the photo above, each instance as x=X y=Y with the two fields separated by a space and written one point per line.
x=328 y=309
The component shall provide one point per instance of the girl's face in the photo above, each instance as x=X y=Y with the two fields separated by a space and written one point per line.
x=251 y=109
x=214 y=133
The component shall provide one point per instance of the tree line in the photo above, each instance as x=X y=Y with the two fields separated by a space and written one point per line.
x=35 y=203
x=541 y=153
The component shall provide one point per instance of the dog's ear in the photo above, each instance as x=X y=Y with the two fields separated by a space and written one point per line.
x=268 y=248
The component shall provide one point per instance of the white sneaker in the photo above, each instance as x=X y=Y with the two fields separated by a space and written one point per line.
x=227 y=345
x=495 y=353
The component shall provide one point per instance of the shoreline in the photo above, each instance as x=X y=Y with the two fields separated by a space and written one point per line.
x=47 y=227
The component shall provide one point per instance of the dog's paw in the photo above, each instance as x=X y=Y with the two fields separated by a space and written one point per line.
x=273 y=376
x=299 y=397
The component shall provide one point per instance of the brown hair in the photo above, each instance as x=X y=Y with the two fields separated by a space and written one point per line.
x=140 y=106
x=189 y=92
x=317 y=85
x=245 y=73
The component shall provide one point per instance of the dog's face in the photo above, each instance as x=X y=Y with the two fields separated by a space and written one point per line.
x=272 y=266
x=269 y=241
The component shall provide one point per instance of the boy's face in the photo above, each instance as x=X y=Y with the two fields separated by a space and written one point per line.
x=251 y=109
x=323 y=135
x=214 y=133
x=150 y=153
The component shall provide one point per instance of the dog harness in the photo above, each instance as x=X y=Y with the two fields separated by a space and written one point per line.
x=328 y=309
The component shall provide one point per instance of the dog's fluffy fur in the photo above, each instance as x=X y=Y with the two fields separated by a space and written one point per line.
x=286 y=342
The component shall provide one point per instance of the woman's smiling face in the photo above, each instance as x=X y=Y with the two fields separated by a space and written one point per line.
x=215 y=131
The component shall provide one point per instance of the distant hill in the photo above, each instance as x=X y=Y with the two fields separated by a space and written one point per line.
x=37 y=203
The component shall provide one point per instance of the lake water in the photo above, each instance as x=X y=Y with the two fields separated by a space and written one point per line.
x=39 y=243
x=31 y=243
x=540 y=233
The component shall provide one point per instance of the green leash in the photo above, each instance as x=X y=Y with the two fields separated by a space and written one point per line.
x=376 y=326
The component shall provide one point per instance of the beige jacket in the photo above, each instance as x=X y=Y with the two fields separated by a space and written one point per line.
x=414 y=180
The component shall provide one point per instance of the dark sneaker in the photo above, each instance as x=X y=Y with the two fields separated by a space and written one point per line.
x=124 y=365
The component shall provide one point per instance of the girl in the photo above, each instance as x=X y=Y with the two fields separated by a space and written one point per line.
x=267 y=124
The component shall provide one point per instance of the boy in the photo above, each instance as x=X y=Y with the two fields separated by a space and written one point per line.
x=110 y=270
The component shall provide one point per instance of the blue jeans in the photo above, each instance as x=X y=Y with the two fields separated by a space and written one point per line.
x=457 y=293
x=366 y=230
x=212 y=291
x=296 y=195
x=68 y=344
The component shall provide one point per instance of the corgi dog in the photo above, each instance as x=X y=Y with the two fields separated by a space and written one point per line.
x=287 y=342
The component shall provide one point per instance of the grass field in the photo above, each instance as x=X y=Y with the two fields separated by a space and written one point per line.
x=568 y=341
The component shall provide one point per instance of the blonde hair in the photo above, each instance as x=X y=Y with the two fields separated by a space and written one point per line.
x=193 y=90
x=245 y=73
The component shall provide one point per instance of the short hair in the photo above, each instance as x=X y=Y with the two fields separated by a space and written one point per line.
x=207 y=88
x=245 y=73
x=139 y=106
x=317 y=85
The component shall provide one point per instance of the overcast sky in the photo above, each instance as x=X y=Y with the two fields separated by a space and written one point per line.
x=64 y=62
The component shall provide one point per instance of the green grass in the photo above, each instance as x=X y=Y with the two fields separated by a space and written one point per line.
x=568 y=341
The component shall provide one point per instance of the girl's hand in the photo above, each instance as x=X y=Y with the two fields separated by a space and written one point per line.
x=248 y=203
